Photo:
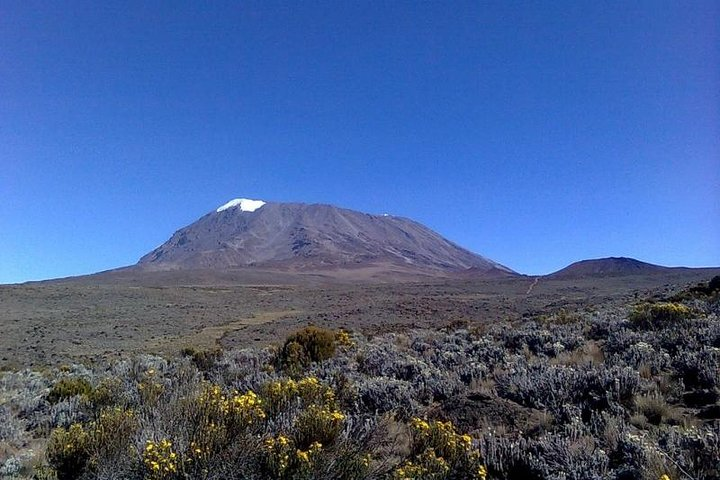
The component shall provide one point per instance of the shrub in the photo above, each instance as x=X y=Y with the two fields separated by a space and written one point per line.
x=69 y=387
x=699 y=368
x=654 y=408
x=160 y=460
x=438 y=451
x=283 y=460
x=282 y=394
x=106 y=394
x=344 y=339
x=204 y=360
x=72 y=451
x=150 y=388
x=11 y=468
x=232 y=414
x=659 y=315
x=318 y=424
x=311 y=344
x=68 y=451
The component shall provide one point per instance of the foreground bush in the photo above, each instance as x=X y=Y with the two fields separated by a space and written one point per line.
x=438 y=451
x=659 y=315
x=81 y=448
x=291 y=429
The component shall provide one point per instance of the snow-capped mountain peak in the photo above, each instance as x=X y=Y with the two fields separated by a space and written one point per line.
x=245 y=204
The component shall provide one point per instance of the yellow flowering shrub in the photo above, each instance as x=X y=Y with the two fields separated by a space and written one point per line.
x=150 y=388
x=437 y=449
x=112 y=433
x=428 y=465
x=219 y=418
x=160 y=460
x=309 y=390
x=71 y=451
x=207 y=441
x=284 y=460
x=68 y=451
x=343 y=339
x=319 y=424
x=652 y=315
x=278 y=451
x=234 y=411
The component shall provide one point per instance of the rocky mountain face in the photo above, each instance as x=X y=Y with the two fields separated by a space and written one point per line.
x=295 y=236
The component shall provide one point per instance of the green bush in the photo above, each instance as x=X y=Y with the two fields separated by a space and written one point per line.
x=311 y=344
x=657 y=315
x=106 y=394
x=74 y=451
x=204 y=360
x=68 y=387
x=68 y=451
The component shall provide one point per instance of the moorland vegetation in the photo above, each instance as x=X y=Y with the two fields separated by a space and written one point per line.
x=609 y=393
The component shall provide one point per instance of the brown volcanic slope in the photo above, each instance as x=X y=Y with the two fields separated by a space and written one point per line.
x=609 y=267
x=302 y=237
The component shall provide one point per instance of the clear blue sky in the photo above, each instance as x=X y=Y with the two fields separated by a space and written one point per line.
x=534 y=133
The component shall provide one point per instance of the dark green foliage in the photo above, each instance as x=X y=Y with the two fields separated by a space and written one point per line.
x=106 y=394
x=69 y=387
x=68 y=452
x=311 y=344
x=661 y=314
x=204 y=360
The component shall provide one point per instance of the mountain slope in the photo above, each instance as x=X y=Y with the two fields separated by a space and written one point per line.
x=608 y=267
x=295 y=236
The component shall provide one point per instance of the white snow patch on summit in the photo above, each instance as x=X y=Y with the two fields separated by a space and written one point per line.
x=246 y=205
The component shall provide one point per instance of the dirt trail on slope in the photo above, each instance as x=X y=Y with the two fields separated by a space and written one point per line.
x=532 y=285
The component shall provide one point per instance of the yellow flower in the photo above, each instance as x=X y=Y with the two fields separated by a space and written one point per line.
x=482 y=472
x=303 y=456
x=420 y=425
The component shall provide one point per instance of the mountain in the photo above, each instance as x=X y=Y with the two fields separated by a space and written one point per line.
x=302 y=237
x=608 y=267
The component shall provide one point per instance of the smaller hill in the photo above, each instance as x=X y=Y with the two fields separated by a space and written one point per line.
x=608 y=267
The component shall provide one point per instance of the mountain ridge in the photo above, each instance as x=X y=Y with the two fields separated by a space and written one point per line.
x=608 y=266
